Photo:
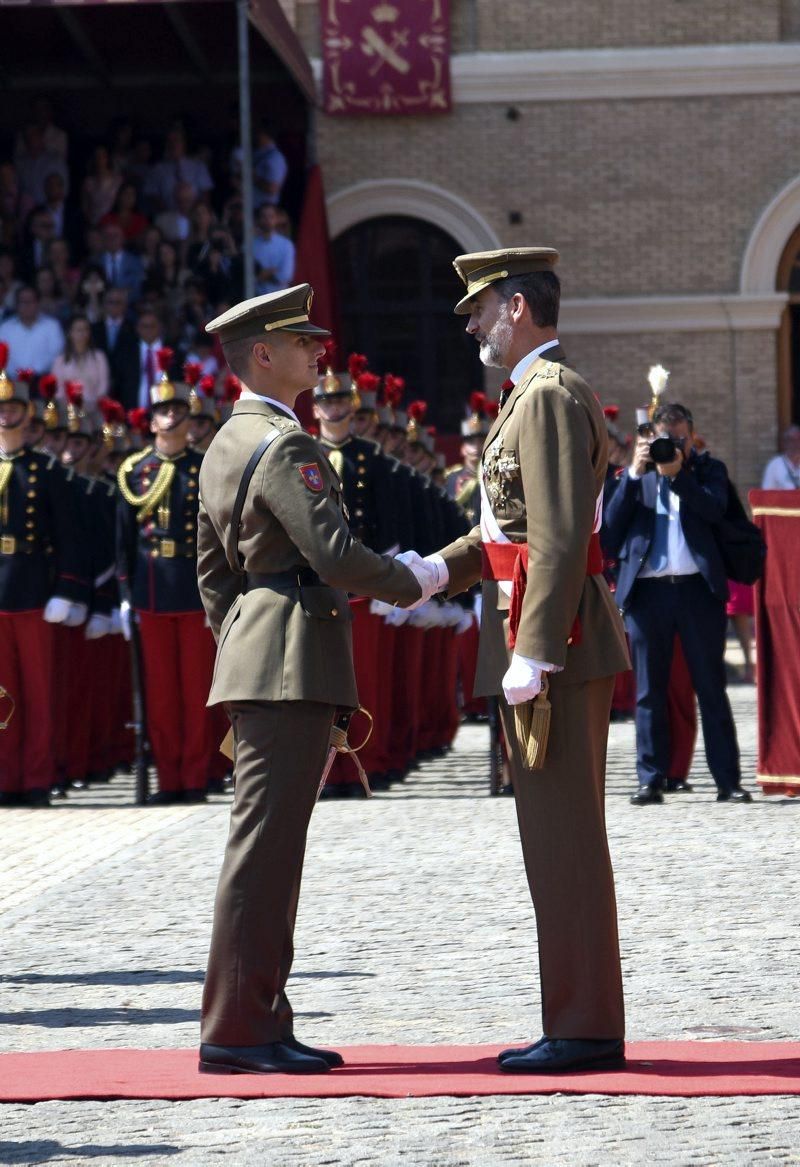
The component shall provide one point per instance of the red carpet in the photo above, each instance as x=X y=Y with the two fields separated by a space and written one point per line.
x=686 y=1068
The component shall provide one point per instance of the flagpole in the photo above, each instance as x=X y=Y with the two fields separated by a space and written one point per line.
x=245 y=128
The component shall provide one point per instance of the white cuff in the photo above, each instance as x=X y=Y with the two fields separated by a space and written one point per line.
x=442 y=571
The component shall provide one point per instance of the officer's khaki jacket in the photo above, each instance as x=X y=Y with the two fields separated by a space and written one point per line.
x=283 y=645
x=544 y=463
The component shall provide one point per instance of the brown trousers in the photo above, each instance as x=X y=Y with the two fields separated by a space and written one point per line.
x=561 y=813
x=280 y=749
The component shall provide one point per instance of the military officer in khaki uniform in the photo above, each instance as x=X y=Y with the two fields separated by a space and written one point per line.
x=543 y=467
x=284 y=664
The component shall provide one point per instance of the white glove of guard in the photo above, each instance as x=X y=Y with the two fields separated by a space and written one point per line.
x=116 y=622
x=397 y=616
x=425 y=615
x=424 y=573
x=77 y=615
x=56 y=610
x=465 y=620
x=523 y=680
x=380 y=608
x=98 y=625
x=125 y=618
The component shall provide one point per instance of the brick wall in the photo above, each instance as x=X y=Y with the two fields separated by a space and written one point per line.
x=490 y=26
x=641 y=197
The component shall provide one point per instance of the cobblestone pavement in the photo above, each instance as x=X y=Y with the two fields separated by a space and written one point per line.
x=415 y=926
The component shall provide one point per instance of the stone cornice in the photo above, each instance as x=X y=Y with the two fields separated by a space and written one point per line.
x=671 y=314
x=608 y=74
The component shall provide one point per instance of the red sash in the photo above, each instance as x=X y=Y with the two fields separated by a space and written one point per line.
x=502 y=561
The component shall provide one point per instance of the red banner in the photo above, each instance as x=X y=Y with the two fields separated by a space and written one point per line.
x=382 y=57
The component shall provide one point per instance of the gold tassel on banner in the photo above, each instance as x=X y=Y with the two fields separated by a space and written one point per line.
x=532 y=721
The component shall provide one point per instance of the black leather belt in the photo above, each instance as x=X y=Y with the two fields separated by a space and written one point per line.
x=295 y=577
x=669 y=578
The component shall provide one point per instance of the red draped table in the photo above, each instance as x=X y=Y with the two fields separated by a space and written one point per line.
x=777 y=596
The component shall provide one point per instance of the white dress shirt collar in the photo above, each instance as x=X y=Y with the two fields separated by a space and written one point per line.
x=522 y=365
x=249 y=395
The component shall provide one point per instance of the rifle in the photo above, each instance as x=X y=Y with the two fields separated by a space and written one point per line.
x=139 y=721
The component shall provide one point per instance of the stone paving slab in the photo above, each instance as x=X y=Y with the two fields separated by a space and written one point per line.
x=415 y=926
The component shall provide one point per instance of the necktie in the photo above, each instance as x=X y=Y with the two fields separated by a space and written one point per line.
x=505 y=392
x=657 y=557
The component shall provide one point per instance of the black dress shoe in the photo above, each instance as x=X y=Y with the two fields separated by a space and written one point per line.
x=39 y=796
x=194 y=796
x=9 y=799
x=562 y=1055
x=329 y=1056
x=520 y=1051
x=735 y=795
x=679 y=786
x=646 y=796
x=165 y=798
x=275 y=1058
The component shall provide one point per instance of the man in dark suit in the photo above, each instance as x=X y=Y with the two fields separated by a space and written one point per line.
x=120 y=267
x=116 y=336
x=671 y=581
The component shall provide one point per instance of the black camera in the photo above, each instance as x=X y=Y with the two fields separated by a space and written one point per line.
x=662 y=449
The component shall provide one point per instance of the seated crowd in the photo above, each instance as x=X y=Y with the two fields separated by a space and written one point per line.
x=103 y=265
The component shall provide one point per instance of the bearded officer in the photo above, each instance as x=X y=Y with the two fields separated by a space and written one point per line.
x=543 y=468
x=274 y=583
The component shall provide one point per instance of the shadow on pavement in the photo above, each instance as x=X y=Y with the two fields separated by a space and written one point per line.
x=42 y=1151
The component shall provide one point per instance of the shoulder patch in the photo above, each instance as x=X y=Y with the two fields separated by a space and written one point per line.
x=312 y=476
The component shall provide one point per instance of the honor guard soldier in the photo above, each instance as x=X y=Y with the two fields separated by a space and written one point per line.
x=43 y=581
x=203 y=410
x=52 y=416
x=461 y=480
x=276 y=562
x=547 y=610
x=157 y=573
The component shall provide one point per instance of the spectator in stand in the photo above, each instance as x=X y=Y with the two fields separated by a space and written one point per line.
x=191 y=317
x=150 y=331
x=219 y=266
x=283 y=224
x=273 y=254
x=40 y=233
x=81 y=361
x=121 y=148
x=9 y=284
x=55 y=139
x=233 y=219
x=122 y=270
x=116 y=336
x=176 y=225
x=93 y=246
x=53 y=300
x=203 y=222
x=151 y=241
x=269 y=169
x=34 y=340
x=140 y=163
x=35 y=165
x=66 y=219
x=783 y=471
x=166 y=279
x=126 y=214
x=176 y=168
x=91 y=292
x=100 y=187
x=67 y=275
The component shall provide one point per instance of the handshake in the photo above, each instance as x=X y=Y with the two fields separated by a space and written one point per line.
x=430 y=573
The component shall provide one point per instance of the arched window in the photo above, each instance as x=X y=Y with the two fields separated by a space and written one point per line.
x=397 y=289
x=789 y=339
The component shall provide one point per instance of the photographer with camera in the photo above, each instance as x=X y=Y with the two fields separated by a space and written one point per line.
x=672 y=581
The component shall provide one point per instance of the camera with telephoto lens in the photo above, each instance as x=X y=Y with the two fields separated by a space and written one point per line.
x=662 y=449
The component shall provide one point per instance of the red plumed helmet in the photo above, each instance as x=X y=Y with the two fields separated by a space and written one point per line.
x=313 y=429
x=478 y=402
x=356 y=365
x=164 y=358
x=206 y=385
x=139 y=420
x=233 y=387
x=417 y=411
x=111 y=410
x=47 y=386
x=611 y=412
x=3 y=354
x=26 y=375
x=191 y=372
x=328 y=357
x=367 y=382
x=393 y=389
x=74 y=391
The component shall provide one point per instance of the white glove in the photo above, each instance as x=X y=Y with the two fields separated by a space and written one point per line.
x=380 y=608
x=125 y=618
x=99 y=625
x=442 y=572
x=56 y=610
x=425 y=615
x=397 y=616
x=465 y=620
x=77 y=615
x=116 y=622
x=523 y=680
x=424 y=573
